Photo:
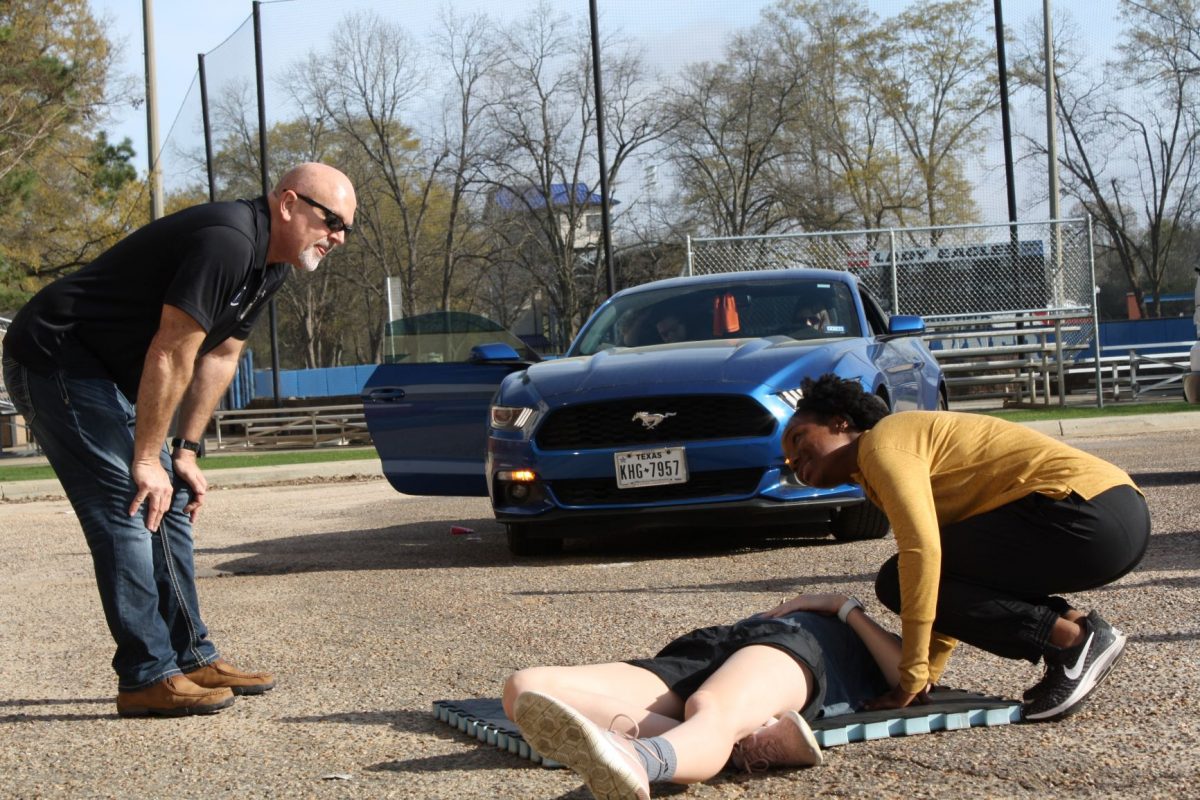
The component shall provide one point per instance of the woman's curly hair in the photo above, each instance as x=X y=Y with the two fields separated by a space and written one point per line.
x=831 y=396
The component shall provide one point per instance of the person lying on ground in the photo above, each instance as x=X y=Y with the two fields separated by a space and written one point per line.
x=741 y=691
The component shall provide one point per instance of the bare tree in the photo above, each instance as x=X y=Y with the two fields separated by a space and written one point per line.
x=865 y=177
x=933 y=79
x=729 y=137
x=236 y=160
x=465 y=46
x=821 y=117
x=542 y=167
x=1128 y=138
x=366 y=84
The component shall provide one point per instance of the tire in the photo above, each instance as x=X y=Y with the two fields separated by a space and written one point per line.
x=860 y=522
x=943 y=403
x=520 y=543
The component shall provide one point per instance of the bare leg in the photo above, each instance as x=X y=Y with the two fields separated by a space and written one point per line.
x=755 y=684
x=603 y=692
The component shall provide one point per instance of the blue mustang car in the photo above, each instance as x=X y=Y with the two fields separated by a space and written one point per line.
x=666 y=411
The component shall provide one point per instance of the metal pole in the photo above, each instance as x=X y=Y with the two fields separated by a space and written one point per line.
x=1058 y=359
x=231 y=390
x=208 y=149
x=1052 y=152
x=1051 y=115
x=895 y=269
x=604 y=202
x=156 y=190
x=266 y=181
x=1005 y=124
x=1009 y=182
x=1096 y=319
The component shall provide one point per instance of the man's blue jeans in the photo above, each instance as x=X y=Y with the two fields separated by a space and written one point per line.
x=147 y=580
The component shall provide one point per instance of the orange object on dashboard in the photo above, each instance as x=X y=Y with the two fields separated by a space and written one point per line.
x=725 y=315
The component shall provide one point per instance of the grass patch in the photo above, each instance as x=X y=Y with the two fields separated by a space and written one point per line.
x=32 y=472
x=232 y=460
x=1086 y=412
x=35 y=472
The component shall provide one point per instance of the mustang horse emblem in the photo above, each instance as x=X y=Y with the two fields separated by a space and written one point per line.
x=651 y=420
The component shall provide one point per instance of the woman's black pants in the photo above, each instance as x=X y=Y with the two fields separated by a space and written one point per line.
x=1001 y=569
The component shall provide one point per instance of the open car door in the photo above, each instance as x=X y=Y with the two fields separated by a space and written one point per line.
x=427 y=406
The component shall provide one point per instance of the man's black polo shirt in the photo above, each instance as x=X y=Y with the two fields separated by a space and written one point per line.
x=208 y=260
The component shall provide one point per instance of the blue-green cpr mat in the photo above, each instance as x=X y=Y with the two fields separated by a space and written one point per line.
x=950 y=710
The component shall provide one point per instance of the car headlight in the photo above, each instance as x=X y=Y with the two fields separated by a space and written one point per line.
x=511 y=418
x=792 y=396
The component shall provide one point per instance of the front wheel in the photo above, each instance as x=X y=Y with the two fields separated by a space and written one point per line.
x=859 y=522
x=520 y=543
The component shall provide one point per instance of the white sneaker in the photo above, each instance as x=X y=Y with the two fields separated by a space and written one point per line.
x=605 y=761
x=789 y=742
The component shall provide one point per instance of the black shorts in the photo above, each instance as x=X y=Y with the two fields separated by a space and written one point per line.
x=687 y=662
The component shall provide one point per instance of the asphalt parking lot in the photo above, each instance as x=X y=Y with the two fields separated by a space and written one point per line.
x=369 y=609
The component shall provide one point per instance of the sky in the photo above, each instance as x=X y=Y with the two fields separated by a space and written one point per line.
x=184 y=29
x=674 y=32
x=181 y=31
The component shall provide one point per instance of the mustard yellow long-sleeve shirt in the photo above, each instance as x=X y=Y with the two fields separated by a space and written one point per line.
x=929 y=469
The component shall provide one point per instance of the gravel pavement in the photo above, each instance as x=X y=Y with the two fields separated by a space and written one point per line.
x=369 y=609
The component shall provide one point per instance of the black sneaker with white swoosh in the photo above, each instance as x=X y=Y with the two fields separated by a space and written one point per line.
x=1075 y=672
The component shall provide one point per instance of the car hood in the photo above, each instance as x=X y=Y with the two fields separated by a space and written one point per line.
x=777 y=363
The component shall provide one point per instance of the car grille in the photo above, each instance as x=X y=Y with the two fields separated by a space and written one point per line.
x=604 y=491
x=612 y=423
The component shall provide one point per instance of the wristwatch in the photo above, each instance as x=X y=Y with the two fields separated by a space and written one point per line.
x=187 y=444
x=848 y=606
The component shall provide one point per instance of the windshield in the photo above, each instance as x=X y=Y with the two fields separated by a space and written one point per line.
x=800 y=309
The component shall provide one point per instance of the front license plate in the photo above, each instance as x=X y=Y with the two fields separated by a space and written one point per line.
x=651 y=467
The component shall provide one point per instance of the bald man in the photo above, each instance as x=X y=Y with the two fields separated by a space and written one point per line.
x=99 y=361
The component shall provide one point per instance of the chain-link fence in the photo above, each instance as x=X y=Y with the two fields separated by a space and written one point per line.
x=935 y=272
x=1031 y=285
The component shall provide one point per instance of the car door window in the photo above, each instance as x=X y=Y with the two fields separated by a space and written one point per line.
x=446 y=337
x=876 y=319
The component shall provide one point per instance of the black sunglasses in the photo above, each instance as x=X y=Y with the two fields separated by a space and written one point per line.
x=333 y=220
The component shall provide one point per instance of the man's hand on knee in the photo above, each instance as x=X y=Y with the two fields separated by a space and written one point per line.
x=154 y=489
x=187 y=470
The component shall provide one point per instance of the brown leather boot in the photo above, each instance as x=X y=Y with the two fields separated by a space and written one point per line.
x=221 y=673
x=175 y=696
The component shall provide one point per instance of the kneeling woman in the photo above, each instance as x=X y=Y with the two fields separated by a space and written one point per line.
x=743 y=689
x=991 y=520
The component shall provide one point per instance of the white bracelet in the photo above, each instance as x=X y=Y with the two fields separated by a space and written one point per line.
x=848 y=606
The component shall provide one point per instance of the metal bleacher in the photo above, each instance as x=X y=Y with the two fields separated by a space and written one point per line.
x=1018 y=356
x=11 y=430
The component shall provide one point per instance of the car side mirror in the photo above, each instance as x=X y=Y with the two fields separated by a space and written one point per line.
x=495 y=351
x=905 y=325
